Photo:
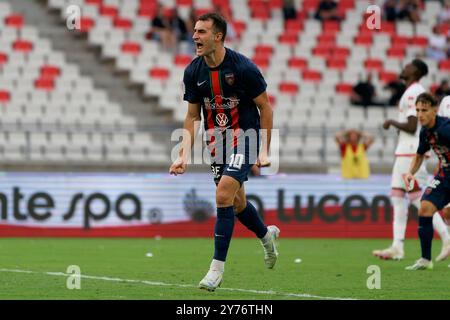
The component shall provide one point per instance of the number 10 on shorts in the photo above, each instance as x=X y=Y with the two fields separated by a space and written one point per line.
x=236 y=161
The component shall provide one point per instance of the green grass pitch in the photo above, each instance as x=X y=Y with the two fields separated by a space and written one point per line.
x=120 y=269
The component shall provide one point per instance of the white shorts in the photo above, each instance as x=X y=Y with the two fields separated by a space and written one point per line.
x=401 y=167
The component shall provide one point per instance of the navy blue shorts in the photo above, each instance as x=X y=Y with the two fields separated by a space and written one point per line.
x=238 y=168
x=438 y=192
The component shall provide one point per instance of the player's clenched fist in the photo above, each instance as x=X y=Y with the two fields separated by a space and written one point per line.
x=263 y=161
x=178 y=167
x=408 y=178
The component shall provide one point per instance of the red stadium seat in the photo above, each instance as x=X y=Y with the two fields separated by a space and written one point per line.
x=147 y=11
x=340 y=52
x=326 y=38
x=94 y=2
x=387 y=76
x=261 y=62
x=15 y=21
x=293 y=26
x=159 y=73
x=261 y=14
x=132 y=48
x=337 y=64
x=311 y=75
x=182 y=60
x=323 y=49
x=388 y=27
x=372 y=64
x=3 y=58
x=344 y=88
x=444 y=65
x=4 y=96
x=44 y=84
x=275 y=4
x=288 y=88
x=434 y=87
x=298 y=63
x=109 y=11
x=22 y=45
x=263 y=50
x=346 y=4
x=239 y=27
x=396 y=52
x=50 y=72
x=331 y=26
x=364 y=39
x=400 y=41
x=123 y=23
x=86 y=24
x=288 y=38
x=184 y=3
x=419 y=41
x=310 y=5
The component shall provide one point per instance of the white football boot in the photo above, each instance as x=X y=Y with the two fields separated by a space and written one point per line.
x=212 y=280
x=391 y=253
x=421 y=264
x=445 y=252
x=270 y=246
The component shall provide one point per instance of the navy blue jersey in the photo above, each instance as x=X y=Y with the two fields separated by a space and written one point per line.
x=225 y=92
x=437 y=138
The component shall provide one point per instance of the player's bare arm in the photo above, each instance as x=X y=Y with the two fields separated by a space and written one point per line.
x=190 y=130
x=410 y=126
x=340 y=137
x=415 y=165
x=266 y=114
x=368 y=139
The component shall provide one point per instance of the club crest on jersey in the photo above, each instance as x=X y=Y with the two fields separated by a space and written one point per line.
x=229 y=78
x=222 y=119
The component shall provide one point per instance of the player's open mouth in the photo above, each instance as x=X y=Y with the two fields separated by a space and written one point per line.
x=199 y=45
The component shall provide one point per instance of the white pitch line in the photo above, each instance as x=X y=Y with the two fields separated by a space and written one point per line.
x=161 y=284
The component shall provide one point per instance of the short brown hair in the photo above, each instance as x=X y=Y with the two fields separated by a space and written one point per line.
x=427 y=98
x=219 y=23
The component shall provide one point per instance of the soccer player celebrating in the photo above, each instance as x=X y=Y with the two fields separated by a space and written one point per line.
x=406 y=147
x=229 y=90
x=435 y=134
x=444 y=111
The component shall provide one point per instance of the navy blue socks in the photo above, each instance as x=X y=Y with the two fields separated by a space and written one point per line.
x=251 y=219
x=223 y=231
x=426 y=232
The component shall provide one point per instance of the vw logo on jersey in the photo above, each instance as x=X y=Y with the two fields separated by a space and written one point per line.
x=222 y=119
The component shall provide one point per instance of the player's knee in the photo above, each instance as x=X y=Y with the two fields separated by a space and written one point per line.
x=446 y=213
x=239 y=205
x=426 y=210
x=223 y=198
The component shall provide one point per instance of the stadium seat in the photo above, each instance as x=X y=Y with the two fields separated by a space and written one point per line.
x=288 y=88
x=444 y=65
x=3 y=58
x=15 y=21
x=22 y=46
x=4 y=96
x=344 y=88
x=159 y=73
x=131 y=48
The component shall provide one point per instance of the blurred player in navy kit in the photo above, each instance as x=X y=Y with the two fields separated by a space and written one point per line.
x=435 y=134
x=231 y=93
